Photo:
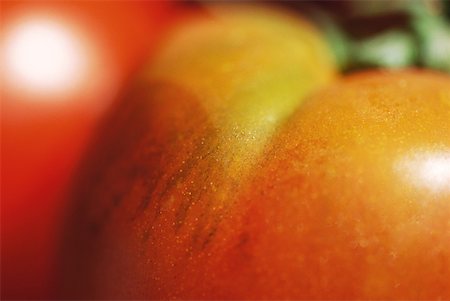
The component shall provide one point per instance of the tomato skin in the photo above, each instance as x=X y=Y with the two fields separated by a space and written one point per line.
x=340 y=205
x=188 y=134
x=352 y=200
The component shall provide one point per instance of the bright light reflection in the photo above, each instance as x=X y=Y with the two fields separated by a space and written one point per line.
x=428 y=170
x=43 y=55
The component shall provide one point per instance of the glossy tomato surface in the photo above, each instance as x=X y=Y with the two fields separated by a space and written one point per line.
x=350 y=199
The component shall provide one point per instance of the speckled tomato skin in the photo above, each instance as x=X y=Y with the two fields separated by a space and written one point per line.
x=351 y=199
x=177 y=203
x=170 y=162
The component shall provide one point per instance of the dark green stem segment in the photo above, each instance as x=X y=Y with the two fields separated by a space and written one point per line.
x=421 y=39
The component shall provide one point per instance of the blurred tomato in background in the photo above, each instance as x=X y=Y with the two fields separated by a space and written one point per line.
x=63 y=65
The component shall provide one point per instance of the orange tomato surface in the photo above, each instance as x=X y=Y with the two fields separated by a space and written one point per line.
x=349 y=198
x=189 y=133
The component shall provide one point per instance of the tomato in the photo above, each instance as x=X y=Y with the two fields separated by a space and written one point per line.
x=43 y=136
x=172 y=159
x=349 y=199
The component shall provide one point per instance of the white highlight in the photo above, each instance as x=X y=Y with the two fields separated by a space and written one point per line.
x=427 y=170
x=44 y=56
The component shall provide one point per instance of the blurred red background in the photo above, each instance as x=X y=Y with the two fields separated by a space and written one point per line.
x=44 y=135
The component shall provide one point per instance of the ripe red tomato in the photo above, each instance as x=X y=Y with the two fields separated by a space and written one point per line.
x=350 y=199
x=43 y=136
x=215 y=180
x=188 y=133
